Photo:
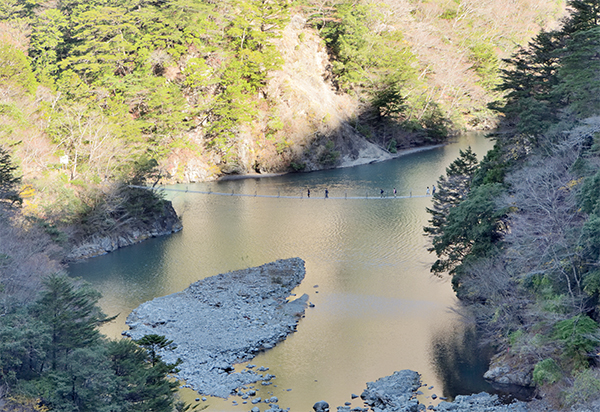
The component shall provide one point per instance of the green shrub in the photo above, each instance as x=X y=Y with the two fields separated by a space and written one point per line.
x=546 y=371
x=589 y=195
x=578 y=336
x=591 y=282
x=515 y=336
x=485 y=63
x=585 y=387
x=329 y=156
x=448 y=14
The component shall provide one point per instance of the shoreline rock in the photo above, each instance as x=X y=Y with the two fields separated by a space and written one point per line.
x=507 y=370
x=398 y=393
x=97 y=245
x=223 y=320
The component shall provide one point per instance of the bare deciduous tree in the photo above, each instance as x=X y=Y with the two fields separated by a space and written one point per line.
x=25 y=257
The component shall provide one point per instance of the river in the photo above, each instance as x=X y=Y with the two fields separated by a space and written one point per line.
x=377 y=307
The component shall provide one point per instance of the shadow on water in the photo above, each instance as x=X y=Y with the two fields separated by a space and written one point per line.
x=460 y=361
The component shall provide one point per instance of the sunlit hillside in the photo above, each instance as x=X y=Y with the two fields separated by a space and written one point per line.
x=212 y=88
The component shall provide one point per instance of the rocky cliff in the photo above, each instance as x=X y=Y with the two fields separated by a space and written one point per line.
x=163 y=223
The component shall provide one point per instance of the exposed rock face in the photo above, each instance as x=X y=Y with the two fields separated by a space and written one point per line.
x=481 y=402
x=509 y=371
x=162 y=224
x=222 y=320
x=396 y=392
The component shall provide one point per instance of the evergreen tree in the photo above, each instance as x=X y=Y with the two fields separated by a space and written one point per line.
x=584 y=15
x=15 y=69
x=153 y=344
x=9 y=192
x=451 y=189
x=23 y=345
x=141 y=380
x=472 y=231
x=529 y=82
x=579 y=74
x=465 y=222
x=72 y=314
x=87 y=383
x=388 y=101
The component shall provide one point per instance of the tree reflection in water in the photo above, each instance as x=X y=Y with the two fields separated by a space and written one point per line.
x=460 y=360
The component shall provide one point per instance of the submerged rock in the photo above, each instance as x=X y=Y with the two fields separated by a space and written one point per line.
x=223 y=320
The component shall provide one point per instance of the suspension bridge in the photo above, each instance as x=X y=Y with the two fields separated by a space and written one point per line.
x=313 y=196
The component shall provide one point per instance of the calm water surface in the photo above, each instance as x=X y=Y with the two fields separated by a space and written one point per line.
x=377 y=308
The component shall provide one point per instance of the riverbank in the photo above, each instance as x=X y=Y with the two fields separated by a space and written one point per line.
x=369 y=155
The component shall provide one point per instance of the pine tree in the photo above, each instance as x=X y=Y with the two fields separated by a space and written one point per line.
x=529 y=82
x=141 y=379
x=452 y=189
x=9 y=192
x=584 y=15
x=464 y=221
x=579 y=75
x=153 y=344
x=72 y=314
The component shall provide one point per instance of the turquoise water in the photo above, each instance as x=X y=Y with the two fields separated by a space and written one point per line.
x=377 y=307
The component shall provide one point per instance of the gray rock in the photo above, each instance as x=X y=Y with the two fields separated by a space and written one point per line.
x=393 y=393
x=223 y=320
x=505 y=371
x=482 y=402
x=321 y=406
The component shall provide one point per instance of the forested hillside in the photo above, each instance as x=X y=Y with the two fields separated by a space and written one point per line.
x=208 y=88
x=519 y=231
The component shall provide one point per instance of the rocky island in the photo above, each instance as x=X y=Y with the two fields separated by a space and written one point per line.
x=223 y=320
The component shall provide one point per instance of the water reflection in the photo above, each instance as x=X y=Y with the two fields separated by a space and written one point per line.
x=377 y=308
x=460 y=361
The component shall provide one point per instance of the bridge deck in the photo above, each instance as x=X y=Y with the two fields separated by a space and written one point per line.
x=278 y=196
